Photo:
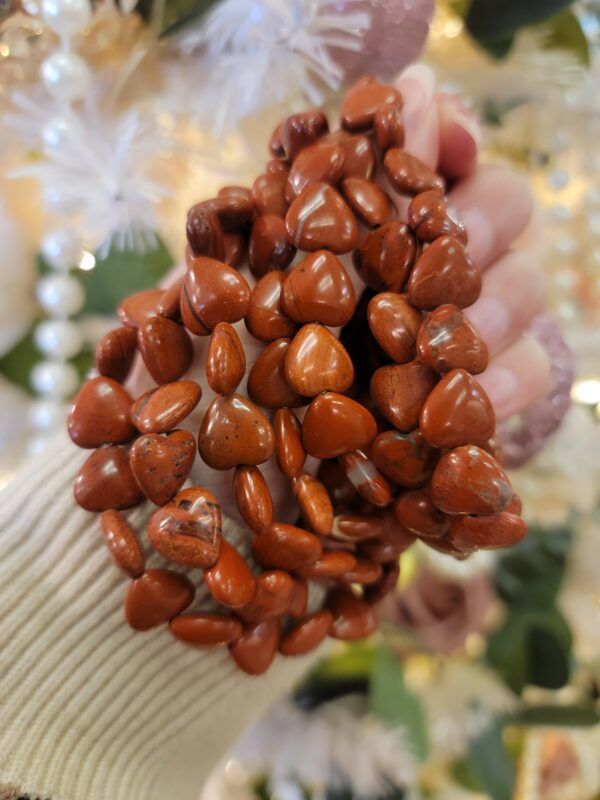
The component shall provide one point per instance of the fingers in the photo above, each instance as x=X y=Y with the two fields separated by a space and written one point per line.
x=517 y=378
x=496 y=205
x=512 y=295
x=459 y=137
x=420 y=113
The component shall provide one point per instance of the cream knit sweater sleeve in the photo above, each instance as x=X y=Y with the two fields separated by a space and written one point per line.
x=89 y=709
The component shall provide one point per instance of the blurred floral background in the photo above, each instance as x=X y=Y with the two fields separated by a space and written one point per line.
x=484 y=681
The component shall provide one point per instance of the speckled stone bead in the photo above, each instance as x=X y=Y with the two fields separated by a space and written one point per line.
x=122 y=543
x=156 y=597
x=234 y=431
x=253 y=498
x=314 y=503
x=162 y=463
x=468 y=480
x=100 y=414
x=225 y=359
x=335 y=424
x=265 y=319
x=385 y=257
x=162 y=409
x=447 y=341
x=165 y=347
x=213 y=292
x=106 y=481
x=319 y=289
x=317 y=362
x=320 y=219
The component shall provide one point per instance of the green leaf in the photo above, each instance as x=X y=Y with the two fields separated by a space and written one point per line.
x=354 y=661
x=490 y=764
x=463 y=774
x=122 y=273
x=532 y=647
x=16 y=365
x=559 y=716
x=494 y=23
x=563 y=32
x=171 y=16
x=392 y=702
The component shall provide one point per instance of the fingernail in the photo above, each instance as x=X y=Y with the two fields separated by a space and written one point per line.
x=481 y=233
x=491 y=320
x=417 y=84
x=501 y=385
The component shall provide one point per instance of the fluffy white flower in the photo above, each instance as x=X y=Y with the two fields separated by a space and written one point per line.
x=341 y=746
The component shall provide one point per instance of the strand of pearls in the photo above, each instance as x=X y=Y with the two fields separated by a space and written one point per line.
x=59 y=338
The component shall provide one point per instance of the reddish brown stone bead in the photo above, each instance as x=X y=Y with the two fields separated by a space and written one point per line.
x=302 y=130
x=267 y=383
x=240 y=192
x=370 y=203
x=230 y=579
x=275 y=146
x=381 y=552
x=448 y=341
x=170 y=303
x=359 y=156
x=213 y=292
x=286 y=547
x=162 y=409
x=352 y=617
x=335 y=424
x=316 y=361
x=336 y=482
x=320 y=219
x=494 y=447
x=253 y=498
x=323 y=161
x=187 y=530
x=389 y=126
x=122 y=543
x=288 y=443
x=314 y=503
x=444 y=273
x=299 y=599
x=385 y=257
x=161 y=464
x=115 y=352
x=395 y=325
x=100 y=414
x=165 y=347
x=404 y=458
x=319 y=289
x=408 y=175
x=106 y=481
x=256 y=648
x=332 y=564
x=430 y=217
x=235 y=249
x=468 y=533
x=274 y=596
x=156 y=597
x=276 y=167
x=205 y=233
x=457 y=412
x=385 y=585
x=268 y=193
x=400 y=391
x=307 y=635
x=233 y=207
x=225 y=359
x=234 y=431
x=415 y=511
x=362 y=101
x=205 y=631
x=136 y=308
x=269 y=248
x=365 y=572
x=468 y=480
x=357 y=527
x=265 y=319
x=363 y=475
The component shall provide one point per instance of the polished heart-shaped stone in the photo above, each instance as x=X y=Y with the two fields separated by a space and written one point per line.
x=415 y=511
x=319 y=289
x=106 y=481
x=204 y=630
x=320 y=219
x=286 y=547
x=134 y=309
x=495 y=531
x=404 y=458
x=268 y=194
x=265 y=319
x=267 y=383
x=115 y=352
x=234 y=431
x=230 y=580
x=307 y=635
x=187 y=530
x=358 y=151
x=165 y=347
x=302 y=130
x=468 y=480
x=256 y=648
x=353 y=617
x=385 y=256
x=409 y=175
x=430 y=217
x=213 y=292
x=368 y=201
x=316 y=361
x=225 y=359
x=274 y=595
x=323 y=161
x=205 y=233
x=162 y=409
x=388 y=124
x=100 y=414
x=161 y=464
x=170 y=302
x=394 y=323
x=268 y=247
x=444 y=273
x=448 y=341
x=335 y=424
x=156 y=597
x=362 y=101
x=457 y=412
x=399 y=392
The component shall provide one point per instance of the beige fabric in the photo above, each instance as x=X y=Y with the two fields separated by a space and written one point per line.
x=90 y=710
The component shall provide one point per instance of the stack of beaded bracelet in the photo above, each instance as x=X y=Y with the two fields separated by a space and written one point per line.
x=404 y=432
